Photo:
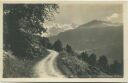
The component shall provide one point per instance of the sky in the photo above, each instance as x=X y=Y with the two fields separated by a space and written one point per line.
x=83 y=13
x=79 y=14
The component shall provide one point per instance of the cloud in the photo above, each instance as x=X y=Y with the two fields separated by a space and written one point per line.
x=114 y=18
x=56 y=28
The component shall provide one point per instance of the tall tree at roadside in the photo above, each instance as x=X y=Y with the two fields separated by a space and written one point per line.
x=103 y=64
x=46 y=43
x=58 y=46
x=22 y=23
x=92 y=60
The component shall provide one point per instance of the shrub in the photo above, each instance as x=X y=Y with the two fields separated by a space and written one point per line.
x=69 y=49
x=58 y=46
x=103 y=64
x=92 y=59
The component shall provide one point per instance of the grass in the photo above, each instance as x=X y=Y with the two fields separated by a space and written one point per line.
x=19 y=68
x=73 y=67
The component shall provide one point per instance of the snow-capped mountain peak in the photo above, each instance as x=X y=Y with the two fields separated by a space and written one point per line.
x=56 y=28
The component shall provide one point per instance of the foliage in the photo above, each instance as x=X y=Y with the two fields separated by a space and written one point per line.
x=46 y=43
x=92 y=59
x=14 y=67
x=72 y=66
x=85 y=65
x=58 y=46
x=84 y=56
x=23 y=24
x=116 y=68
x=69 y=49
x=28 y=17
x=103 y=64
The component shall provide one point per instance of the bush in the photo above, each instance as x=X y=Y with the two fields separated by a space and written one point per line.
x=72 y=66
x=92 y=59
x=57 y=46
x=46 y=43
x=69 y=49
x=83 y=56
x=103 y=64
x=116 y=68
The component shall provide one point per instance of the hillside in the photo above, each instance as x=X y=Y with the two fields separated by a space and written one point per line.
x=72 y=66
x=101 y=37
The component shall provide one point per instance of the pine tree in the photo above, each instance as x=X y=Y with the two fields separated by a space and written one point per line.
x=92 y=59
x=58 y=46
x=103 y=64
x=69 y=48
x=84 y=56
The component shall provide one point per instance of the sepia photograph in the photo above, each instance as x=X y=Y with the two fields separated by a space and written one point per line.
x=62 y=40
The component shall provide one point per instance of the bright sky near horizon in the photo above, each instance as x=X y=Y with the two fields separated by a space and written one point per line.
x=83 y=13
x=72 y=15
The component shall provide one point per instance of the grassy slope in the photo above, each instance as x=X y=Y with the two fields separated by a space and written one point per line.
x=19 y=68
x=71 y=66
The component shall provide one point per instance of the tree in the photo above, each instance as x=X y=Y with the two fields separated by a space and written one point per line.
x=22 y=24
x=92 y=60
x=69 y=49
x=116 y=68
x=84 y=56
x=58 y=46
x=103 y=64
x=46 y=43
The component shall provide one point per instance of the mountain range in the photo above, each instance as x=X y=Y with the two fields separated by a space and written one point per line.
x=100 y=37
x=56 y=28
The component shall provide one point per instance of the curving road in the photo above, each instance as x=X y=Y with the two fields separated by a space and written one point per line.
x=47 y=67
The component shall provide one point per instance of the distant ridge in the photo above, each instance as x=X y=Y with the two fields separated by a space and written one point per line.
x=100 y=23
x=104 y=38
